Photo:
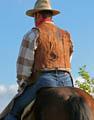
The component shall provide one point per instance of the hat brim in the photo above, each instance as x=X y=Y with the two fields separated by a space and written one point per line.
x=33 y=11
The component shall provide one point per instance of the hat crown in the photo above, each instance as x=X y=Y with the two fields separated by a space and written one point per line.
x=42 y=4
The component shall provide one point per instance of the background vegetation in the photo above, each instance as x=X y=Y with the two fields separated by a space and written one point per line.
x=87 y=82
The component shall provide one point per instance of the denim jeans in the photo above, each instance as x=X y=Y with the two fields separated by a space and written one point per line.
x=47 y=79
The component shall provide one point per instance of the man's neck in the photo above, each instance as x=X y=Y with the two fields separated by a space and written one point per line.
x=42 y=20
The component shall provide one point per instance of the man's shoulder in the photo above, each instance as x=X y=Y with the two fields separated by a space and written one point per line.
x=66 y=34
x=32 y=32
x=35 y=29
x=65 y=31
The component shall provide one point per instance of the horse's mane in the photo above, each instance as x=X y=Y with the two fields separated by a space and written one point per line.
x=77 y=108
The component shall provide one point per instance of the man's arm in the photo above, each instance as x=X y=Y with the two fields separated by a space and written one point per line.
x=26 y=56
x=70 y=44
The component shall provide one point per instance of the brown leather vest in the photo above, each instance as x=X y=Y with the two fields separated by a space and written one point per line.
x=54 y=48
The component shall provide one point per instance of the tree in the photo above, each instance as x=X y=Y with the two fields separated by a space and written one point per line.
x=88 y=81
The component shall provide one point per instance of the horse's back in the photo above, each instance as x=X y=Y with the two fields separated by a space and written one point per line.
x=65 y=103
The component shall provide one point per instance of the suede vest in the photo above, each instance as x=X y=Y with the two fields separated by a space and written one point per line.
x=54 y=48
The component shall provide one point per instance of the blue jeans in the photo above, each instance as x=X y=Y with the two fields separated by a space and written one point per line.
x=47 y=79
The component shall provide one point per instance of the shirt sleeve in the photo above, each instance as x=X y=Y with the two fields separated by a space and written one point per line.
x=26 y=54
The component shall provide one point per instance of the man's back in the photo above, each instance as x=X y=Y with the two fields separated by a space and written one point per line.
x=53 y=48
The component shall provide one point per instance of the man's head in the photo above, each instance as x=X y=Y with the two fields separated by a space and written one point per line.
x=40 y=6
x=42 y=15
x=45 y=14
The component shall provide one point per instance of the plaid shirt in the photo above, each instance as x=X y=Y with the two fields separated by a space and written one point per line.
x=26 y=54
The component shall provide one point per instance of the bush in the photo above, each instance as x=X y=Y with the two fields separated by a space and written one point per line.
x=88 y=83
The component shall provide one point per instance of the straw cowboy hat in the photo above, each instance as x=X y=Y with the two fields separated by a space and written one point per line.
x=41 y=5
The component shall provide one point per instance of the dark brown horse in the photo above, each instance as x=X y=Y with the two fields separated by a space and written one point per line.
x=65 y=103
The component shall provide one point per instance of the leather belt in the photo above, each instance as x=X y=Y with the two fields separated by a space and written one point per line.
x=56 y=69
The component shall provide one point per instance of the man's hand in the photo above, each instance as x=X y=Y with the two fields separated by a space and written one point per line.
x=22 y=84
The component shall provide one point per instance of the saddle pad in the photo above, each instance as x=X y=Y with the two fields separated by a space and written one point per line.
x=28 y=113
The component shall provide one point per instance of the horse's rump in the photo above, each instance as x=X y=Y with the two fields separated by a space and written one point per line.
x=64 y=103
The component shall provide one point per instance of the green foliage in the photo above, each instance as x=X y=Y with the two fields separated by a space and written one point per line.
x=88 y=83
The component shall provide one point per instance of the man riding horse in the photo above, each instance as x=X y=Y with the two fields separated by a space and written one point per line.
x=44 y=58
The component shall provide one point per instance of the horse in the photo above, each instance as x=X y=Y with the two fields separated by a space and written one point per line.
x=61 y=103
